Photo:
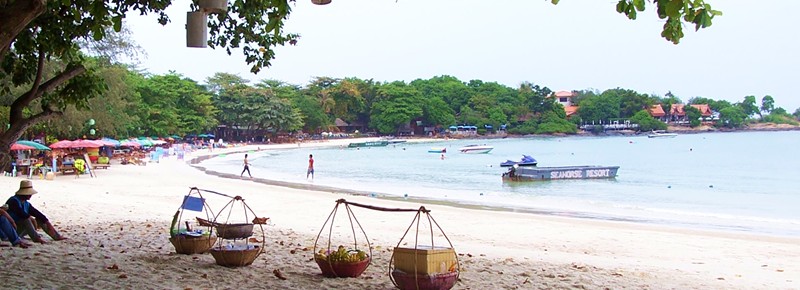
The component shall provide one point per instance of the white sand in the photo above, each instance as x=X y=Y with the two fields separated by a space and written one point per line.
x=118 y=228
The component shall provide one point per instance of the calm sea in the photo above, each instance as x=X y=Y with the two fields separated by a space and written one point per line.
x=742 y=182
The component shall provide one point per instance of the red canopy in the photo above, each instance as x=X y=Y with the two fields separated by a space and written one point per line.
x=17 y=146
x=80 y=143
x=83 y=143
x=61 y=144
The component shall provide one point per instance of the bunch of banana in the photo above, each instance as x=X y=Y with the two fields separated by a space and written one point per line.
x=342 y=255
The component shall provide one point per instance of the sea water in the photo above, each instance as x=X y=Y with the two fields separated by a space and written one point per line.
x=741 y=182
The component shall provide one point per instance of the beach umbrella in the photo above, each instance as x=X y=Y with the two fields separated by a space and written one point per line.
x=61 y=144
x=35 y=145
x=113 y=142
x=144 y=142
x=82 y=143
x=104 y=142
x=129 y=143
x=17 y=146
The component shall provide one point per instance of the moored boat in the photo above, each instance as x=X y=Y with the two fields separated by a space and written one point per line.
x=380 y=143
x=476 y=149
x=437 y=150
x=560 y=172
x=526 y=160
x=661 y=134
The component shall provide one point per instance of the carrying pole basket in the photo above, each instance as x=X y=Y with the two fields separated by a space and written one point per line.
x=341 y=269
x=424 y=267
x=235 y=246
x=183 y=240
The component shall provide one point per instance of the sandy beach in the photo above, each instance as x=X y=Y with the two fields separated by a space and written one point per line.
x=118 y=229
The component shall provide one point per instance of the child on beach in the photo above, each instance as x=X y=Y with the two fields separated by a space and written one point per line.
x=21 y=211
x=310 y=167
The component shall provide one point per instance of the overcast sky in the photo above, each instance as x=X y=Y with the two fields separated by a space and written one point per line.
x=578 y=44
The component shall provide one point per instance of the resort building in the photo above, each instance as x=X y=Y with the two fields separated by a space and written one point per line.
x=677 y=113
x=658 y=112
x=565 y=99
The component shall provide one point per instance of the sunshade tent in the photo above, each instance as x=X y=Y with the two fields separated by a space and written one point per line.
x=129 y=143
x=82 y=143
x=112 y=141
x=61 y=144
x=144 y=142
x=18 y=146
x=33 y=144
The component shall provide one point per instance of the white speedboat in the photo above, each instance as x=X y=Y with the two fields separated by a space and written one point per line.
x=657 y=134
x=476 y=149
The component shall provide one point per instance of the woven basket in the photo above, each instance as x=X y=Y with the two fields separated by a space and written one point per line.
x=192 y=245
x=234 y=231
x=440 y=281
x=235 y=258
x=342 y=270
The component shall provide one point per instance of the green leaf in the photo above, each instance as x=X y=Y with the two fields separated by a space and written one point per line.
x=554 y=2
x=622 y=6
x=673 y=8
x=117 y=23
x=639 y=4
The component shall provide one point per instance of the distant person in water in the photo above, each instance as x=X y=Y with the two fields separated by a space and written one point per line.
x=310 y=171
x=246 y=168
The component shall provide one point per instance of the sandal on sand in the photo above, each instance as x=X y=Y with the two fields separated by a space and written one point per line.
x=40 y=240
x=22 y=245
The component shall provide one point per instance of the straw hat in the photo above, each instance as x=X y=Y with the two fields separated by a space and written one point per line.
x=26 y=188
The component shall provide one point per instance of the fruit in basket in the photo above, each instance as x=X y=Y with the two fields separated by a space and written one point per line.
x=342 y=255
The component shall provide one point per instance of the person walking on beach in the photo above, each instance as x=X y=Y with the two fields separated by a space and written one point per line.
x=246 y=167
x=310 y=167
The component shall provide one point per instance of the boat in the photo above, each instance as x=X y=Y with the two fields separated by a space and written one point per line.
x=476 y=149
x=661 y=134
x=397 y=141
x=559 y=172
x=526 y=160
x=437 y=150
x=380 y=143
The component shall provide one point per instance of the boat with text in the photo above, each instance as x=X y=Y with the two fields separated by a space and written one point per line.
x=476 y=149
x=381 y=143
x=516 y=173
x=661 y=134
x=526 y=160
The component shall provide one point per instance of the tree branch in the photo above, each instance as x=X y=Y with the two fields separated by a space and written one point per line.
x=14 y=18
x=23 y=101
x=39 y=70
x=21 y=125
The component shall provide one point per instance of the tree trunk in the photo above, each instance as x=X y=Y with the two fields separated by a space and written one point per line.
x=14 y=17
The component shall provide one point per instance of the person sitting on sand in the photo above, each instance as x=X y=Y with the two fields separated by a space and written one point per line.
x=21 y=211
x=8 y=229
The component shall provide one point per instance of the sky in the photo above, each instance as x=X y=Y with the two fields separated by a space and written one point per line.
x=576 y=45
